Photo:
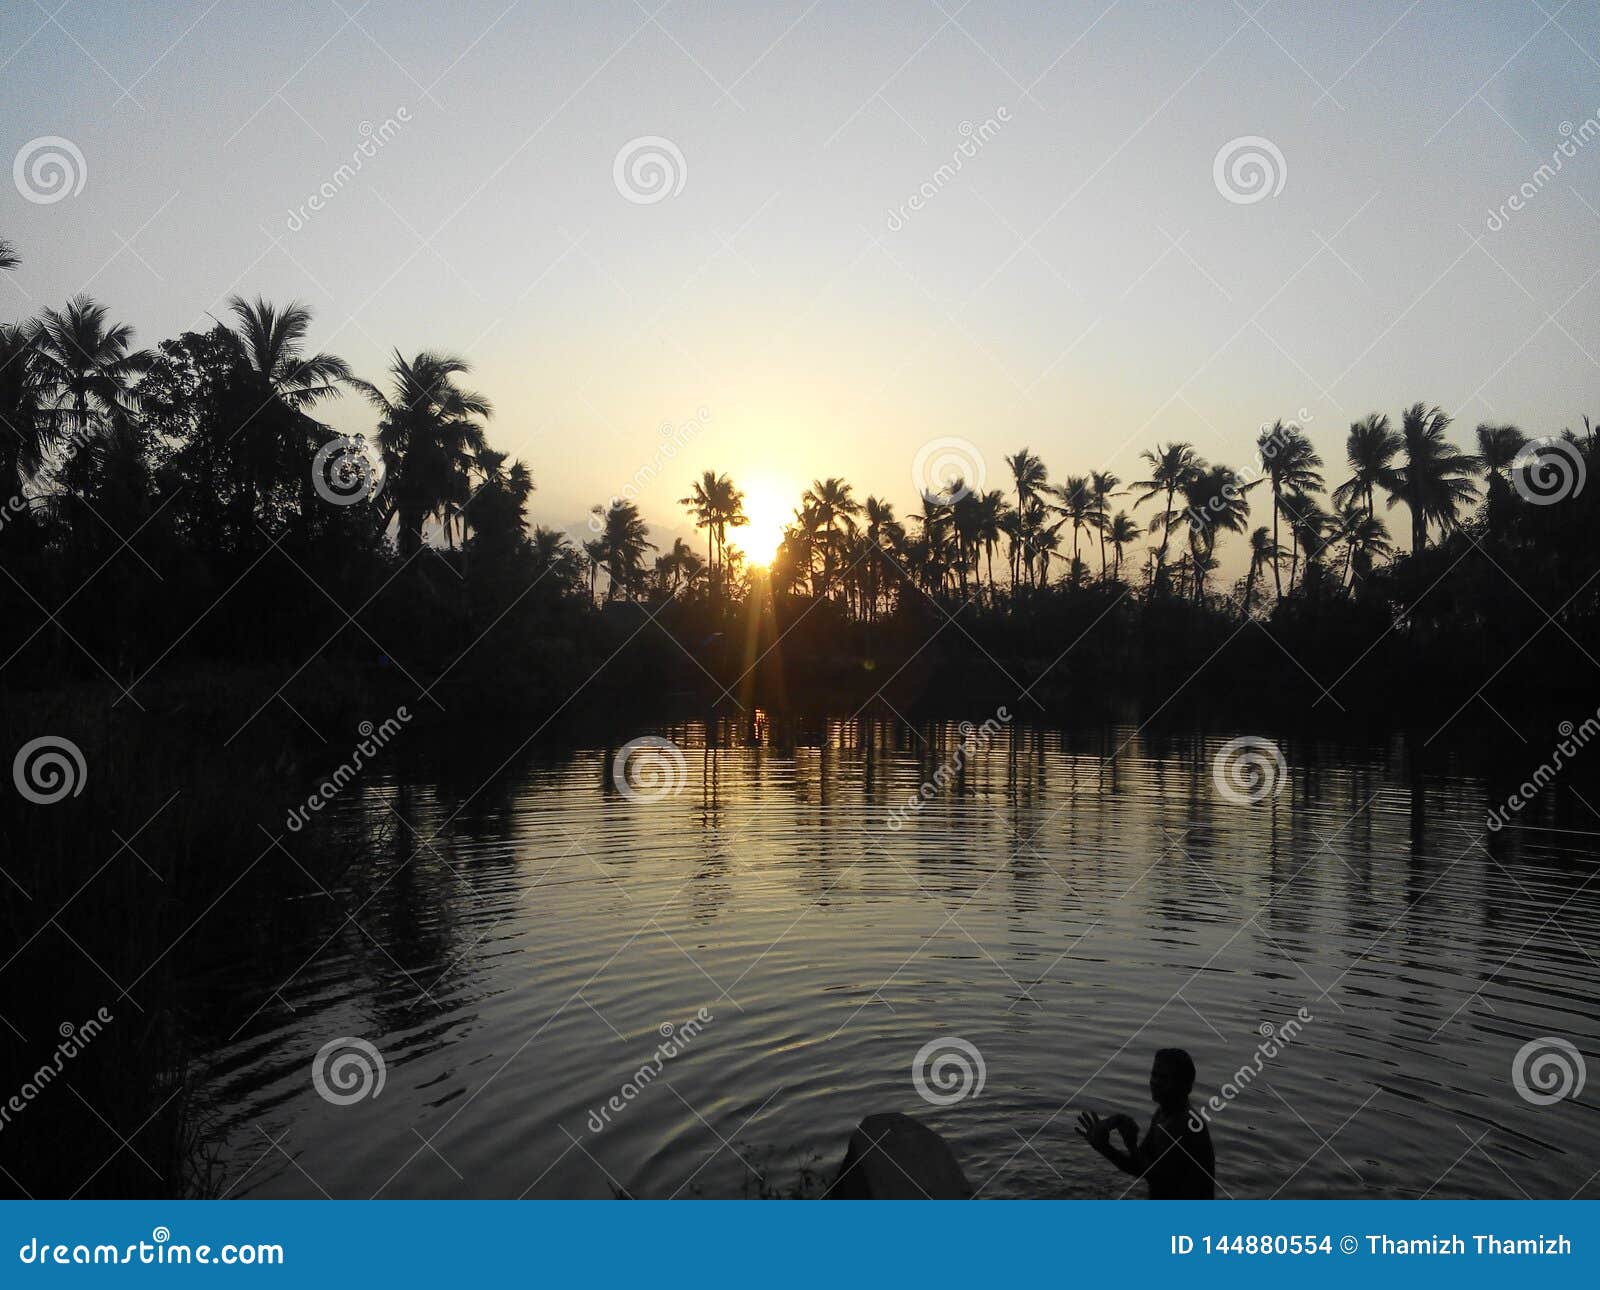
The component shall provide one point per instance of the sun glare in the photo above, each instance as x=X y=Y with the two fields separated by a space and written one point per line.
x=769 y=510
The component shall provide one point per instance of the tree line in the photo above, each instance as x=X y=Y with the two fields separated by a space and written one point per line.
x=146 y=484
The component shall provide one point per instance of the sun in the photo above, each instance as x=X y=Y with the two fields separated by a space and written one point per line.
x=769 y=510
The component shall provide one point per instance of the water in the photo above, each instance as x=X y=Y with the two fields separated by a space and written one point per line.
x=1068 y=904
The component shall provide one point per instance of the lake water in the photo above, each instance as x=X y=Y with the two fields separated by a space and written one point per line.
x=1065 y=904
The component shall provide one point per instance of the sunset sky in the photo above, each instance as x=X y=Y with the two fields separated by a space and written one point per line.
x=1080 y=285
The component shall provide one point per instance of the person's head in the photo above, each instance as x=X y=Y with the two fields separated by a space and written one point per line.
x=1171 y=1077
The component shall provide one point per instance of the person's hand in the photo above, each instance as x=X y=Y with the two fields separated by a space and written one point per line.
x=1095 y=1131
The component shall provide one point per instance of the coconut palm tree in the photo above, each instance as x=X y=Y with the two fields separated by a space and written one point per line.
x=1435 y=479
x=1122 y=530
x=1172 y=467
x=87 y=360
x=624 y=538
x=430 y=434
x=594 y=552
x=1029 y=475
x=1498 y=448
x=1309 y=529
x=279 y=436
x=717 y=505
x=8 y=255
x=1364 y=538
x=30 y=423
x=1292 y=466
x=1263 y=550
x=1103 y=487
x=1217 y=494
x=830 y=501
x=1077 y=507
x=1369 y=451
x=991 y=509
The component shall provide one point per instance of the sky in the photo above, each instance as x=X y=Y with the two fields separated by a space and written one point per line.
x=745 y=224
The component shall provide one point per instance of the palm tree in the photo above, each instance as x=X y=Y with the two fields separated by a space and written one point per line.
x=1029 y=474
x=1293 y=467
x=29 y=421
x=991 y=509
x=1498 y=448
x=624 y=539
x=594 y=551
x=1120 y=532
x=1103 y=487
x=87 y=361
x=1263 y=550
x=430 y=436
x=1364 y=538
x=1369 y=451
x=272 y=343
x=717 y=505
x=1435 y=481
x=829 y=501
x=8 y=255
x=1171 y=469
x=1077 y=506
x=678 y=567
x=1309 y=527
x=1216 y=494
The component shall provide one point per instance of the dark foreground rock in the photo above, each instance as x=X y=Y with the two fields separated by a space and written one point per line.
x=893 y=1157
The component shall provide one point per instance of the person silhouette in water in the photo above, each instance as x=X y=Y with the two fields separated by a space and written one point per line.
x=1175 y=1156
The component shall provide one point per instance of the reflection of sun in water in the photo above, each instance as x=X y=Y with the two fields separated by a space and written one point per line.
x=769 y=511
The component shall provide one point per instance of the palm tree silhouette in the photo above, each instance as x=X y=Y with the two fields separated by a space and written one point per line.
x=29 y=420
x=1435 y=480
x=1498 y=447
x=623 y=541
x=1102 y=487
x=717 y=505
x=86 y=361
x=1263 y=550
x=1216 y=494
x=8 y=255
x=1029 y=475
x=1077 y=506
x=430 y=436
x=829 y=501
x=1120 y=532
x=1364 y=538
x=1171 y=468
x=1293 y=466
x=1369 y=450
